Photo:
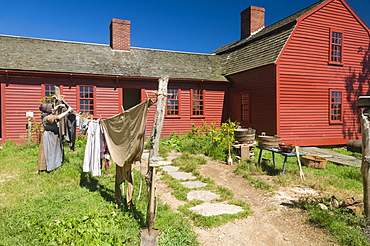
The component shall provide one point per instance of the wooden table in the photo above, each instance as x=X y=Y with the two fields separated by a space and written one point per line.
x=278 y=151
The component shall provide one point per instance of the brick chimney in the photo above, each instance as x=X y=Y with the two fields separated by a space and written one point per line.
x=120 y=34
x=252 y=20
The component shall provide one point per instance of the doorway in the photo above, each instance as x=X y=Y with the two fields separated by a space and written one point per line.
x=131 y=97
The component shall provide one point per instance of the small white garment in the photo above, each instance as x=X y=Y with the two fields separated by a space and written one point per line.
x=94 y=150
x=82 y=124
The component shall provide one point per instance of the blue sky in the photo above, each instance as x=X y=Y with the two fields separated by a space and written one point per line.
x=193 y=25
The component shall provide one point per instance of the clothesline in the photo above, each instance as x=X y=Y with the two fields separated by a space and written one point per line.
x=121 y=136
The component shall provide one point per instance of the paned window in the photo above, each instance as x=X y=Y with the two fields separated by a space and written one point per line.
x=246 y=107
x=49 y=91
x=336 y=47
x=86 y=100
x=197 y=102
x=336 y=107
x=173 y=102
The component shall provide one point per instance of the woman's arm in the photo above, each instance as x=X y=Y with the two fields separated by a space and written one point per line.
x=64 y=113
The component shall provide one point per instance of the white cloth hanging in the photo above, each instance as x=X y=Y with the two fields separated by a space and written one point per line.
x=94 y=150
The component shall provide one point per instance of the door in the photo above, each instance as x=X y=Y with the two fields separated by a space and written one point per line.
x=131 y=97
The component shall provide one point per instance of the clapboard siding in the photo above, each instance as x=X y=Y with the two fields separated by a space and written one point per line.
x=214 y=101
x=261 y=84
x=305 y=78
x=23 y=93
x=107 y=103
x=20 y=98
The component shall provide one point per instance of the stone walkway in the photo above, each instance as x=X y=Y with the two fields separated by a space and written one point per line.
x=188 y=180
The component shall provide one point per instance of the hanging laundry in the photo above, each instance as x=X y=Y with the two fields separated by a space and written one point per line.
x=106 y=155
x=94 y=150
x=67 y=128
x=122 y=174
x=125 y=133
x=71 y=131
x=82 y=123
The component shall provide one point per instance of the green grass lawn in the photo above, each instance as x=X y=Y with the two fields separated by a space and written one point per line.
x=69 y=207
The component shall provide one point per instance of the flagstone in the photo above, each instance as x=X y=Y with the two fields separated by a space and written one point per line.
x=163 y=163
x=181 y=175
x=170 y=168
x=209 y=209
x=193 y=184
x=202 y=195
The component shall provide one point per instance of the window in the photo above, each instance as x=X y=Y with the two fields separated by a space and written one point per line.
x=173 y=102
x=197 y=102
x=86 y=100
x=246 y=107
x=49 y=91
x=336 y=47
x=336 y=109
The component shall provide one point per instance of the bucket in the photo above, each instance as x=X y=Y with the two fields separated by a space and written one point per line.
x=268 y=141
x=245 y=135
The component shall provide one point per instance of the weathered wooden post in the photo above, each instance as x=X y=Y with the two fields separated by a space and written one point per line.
x=364 y=102
x=29 y=116
x=149 y=236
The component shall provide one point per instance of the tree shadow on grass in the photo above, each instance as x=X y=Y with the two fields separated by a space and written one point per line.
x=91 y=183
x=138 y=215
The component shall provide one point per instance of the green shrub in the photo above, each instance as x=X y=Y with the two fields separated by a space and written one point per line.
x=209 y=140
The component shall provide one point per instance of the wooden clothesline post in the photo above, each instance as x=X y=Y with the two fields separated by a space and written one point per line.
x=149 y=236
x=364 y=102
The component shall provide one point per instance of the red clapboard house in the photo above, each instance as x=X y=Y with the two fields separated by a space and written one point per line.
x=99 y=79
x=298 y=78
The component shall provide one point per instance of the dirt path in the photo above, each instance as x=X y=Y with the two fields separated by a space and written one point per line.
x=272 y=223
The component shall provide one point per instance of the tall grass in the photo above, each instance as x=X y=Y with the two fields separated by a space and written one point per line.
x=69 y=207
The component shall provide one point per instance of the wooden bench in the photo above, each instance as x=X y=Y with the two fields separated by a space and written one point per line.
x=278 y=151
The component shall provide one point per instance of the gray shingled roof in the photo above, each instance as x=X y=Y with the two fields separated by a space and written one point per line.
x=32 y=54
x=262 y=48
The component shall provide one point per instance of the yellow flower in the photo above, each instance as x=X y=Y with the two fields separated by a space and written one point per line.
x=216 y=139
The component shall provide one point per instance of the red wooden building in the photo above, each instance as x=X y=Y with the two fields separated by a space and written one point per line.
x=99 y=79
x=298 y=78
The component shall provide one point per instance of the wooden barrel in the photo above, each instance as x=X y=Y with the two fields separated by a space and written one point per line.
x=245 y=135
x=354 y=146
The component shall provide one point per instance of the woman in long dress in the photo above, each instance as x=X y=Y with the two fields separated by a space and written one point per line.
x=51 y=146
